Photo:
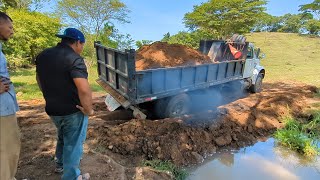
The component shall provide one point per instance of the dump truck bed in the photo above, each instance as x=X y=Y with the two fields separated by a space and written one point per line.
x=160 y=83
x=118 y=76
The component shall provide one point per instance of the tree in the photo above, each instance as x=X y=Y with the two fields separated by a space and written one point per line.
x=33 y=32
x=291 y=23
x=166 y=37
x=184 y=38
x=313 y=7
x=110 y=37
x=5 y=4
x=267 y=23
x=106 y=35
x=225 y=17
x=141 y=43
x=288 y=23
x=92 y=15
x=31 y=5
x=123 y=41
x=313 y=26
x=190 y=39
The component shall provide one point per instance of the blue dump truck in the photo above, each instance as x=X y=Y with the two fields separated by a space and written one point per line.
x=164 y=92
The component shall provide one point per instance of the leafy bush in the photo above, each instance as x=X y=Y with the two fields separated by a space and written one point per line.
x=34 y=32
x=301 y=137
x=15 y=62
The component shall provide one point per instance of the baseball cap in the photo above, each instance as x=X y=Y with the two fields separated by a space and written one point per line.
x=72 y=33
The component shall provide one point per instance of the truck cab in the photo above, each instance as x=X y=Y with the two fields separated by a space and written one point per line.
x=253 y=72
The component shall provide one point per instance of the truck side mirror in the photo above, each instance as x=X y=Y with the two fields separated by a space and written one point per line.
x=258 y=55
x=258 y=52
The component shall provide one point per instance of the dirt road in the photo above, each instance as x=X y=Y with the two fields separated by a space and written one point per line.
x=116 y=144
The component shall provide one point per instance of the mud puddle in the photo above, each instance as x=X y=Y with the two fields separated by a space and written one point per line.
x=264 y=161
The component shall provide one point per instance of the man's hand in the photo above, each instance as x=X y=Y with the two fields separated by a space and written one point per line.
x=84 y=111
x=4 y=87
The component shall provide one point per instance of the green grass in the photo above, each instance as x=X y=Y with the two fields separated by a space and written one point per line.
x=316 y=105
x=27 y=88
x=93 y=76
x=318 y=93
x=301 y=136
x=25 y=84
x=167 y=166
x=289 y=56
x=313 y=127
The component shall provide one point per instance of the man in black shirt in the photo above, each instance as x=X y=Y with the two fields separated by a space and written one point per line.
x=62 y=77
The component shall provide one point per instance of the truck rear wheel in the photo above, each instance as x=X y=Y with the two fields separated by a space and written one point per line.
x=257 y=87
x=160 y=107
x=178 y=106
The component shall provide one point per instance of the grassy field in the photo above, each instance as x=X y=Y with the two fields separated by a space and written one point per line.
x=289 y=57
x=26 y=85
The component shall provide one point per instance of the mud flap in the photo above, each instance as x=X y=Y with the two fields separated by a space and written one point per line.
x=111 y=103
x=137 y=113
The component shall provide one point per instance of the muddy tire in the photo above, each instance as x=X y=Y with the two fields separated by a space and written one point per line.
x=177 y=106
x=257 y=87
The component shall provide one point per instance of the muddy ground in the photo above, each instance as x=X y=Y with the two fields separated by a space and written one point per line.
x=116 y=144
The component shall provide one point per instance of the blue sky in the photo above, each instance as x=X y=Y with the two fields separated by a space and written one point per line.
x=151 y=19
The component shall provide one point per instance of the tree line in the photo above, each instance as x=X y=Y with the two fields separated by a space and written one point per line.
x=219 y=19
x=35 y=30
x=214 y=19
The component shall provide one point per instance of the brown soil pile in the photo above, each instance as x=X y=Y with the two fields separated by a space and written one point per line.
x=240 y=123
x=162 y=54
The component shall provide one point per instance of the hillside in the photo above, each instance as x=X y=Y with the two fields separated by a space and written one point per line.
x=289 y=57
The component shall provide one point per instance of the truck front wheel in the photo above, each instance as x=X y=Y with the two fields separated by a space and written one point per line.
x=178 y=106
x=257 y=87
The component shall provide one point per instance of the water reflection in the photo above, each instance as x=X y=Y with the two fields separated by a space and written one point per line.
x=263 y=161
x=226 y=158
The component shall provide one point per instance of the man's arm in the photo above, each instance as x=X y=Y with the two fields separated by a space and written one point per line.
x=85 y=95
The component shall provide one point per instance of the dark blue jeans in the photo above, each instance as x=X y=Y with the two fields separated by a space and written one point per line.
x=72 y=130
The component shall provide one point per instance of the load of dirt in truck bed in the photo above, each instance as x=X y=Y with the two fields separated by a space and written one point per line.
x=238 y=124
x=162 y=54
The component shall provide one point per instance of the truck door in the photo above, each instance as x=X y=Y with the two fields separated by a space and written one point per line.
x=249 y=63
